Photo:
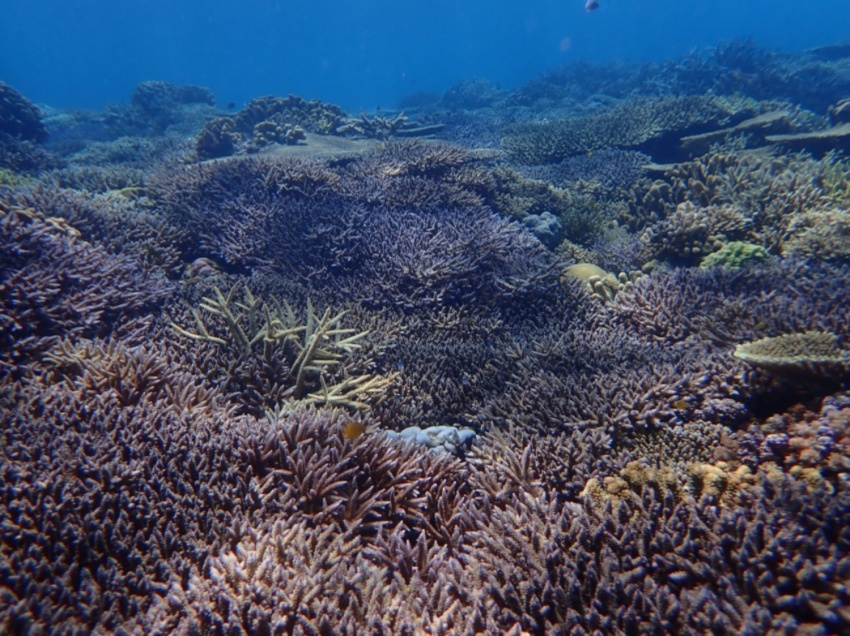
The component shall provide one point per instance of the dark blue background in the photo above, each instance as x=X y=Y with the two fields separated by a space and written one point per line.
x=367 y=53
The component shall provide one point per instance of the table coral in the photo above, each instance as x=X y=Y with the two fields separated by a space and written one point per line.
x=809 y=353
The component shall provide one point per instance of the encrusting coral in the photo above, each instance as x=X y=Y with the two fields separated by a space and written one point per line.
x=734 y=254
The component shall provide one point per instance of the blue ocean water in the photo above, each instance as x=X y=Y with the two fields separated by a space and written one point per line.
x=362 y=55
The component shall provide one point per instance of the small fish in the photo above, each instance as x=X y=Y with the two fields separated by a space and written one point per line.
x=681 y=404
x=353 y=430
x=591 y=5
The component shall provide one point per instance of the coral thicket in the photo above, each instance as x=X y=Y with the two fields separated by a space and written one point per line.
x=627 y=382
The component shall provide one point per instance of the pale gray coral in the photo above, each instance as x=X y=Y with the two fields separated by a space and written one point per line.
x=448 y=439
x=546 y=227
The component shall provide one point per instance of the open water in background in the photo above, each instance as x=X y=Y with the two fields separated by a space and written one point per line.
x=368 y=53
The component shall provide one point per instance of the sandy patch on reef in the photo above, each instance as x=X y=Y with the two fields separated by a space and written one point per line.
x=323 y=147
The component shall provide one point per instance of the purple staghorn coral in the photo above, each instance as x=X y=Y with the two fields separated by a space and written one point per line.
x=159 y=475
x=54 y=284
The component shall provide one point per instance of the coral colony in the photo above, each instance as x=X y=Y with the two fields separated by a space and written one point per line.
x=506 y=362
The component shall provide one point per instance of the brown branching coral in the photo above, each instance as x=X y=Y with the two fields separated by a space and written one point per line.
x=819 y=234
x=265 y=121
x=745 y=196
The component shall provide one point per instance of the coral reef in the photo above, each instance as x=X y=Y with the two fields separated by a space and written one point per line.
x=579 y=208
x=22 y=133
x=379 y=127
x=219 y=138
x=819 y=234
x=756 y=198
x=653 y=126
x=470 y=95
x=348 y=392
x=410 y=225
x=600 y=283
x=155 y=109
x=18 y=117
x=302 y=360
x=56 y=285
x=265 y=121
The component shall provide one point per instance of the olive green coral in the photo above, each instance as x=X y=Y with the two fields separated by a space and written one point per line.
x=734 y=255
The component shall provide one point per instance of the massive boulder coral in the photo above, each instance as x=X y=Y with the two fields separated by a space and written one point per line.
x=19 y=118
x=22 y=133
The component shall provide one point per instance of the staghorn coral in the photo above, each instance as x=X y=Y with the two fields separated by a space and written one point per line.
x=300 y=360
x=237 y=524
x=127 y=181
x=55 y=284
x=715 y=305
x=12 y=179
x=145 y=488
x=378 y=127
x=615 y=170
x=132 y=152
x=117 y=220
x=406 y=226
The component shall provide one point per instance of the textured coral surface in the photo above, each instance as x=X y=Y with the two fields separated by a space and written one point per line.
x=200 y=361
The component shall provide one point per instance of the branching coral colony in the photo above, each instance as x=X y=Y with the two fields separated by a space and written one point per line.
x=313 y=352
